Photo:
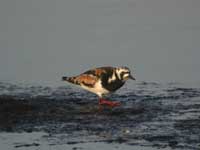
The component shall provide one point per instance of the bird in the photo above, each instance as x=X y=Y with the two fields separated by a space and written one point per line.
x=102 y=81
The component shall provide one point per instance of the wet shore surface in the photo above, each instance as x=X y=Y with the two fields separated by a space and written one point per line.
x=151 y=116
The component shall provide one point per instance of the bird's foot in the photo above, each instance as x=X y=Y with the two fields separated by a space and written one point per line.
x=108 y=103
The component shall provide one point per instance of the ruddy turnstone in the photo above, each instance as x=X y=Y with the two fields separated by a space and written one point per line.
x=102 y=81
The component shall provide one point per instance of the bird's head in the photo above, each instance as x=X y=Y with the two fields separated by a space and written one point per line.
x=124 y=73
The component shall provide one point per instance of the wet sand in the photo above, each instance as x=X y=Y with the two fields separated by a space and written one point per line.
x=145 y=120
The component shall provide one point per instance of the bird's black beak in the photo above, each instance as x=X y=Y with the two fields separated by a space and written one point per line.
x=131 y=77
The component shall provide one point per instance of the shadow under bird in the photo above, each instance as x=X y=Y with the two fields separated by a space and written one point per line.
x=102 y=81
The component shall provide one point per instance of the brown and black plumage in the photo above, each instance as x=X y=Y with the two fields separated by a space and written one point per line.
x=102 y=81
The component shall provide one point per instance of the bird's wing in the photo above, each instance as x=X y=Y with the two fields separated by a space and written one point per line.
x=98 y=72
x=86 y=79
x=90 y=77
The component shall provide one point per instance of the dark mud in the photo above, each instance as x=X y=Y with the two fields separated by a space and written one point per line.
x=151 y=115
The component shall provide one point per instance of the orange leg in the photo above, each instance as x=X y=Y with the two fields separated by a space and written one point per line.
x=108 y=103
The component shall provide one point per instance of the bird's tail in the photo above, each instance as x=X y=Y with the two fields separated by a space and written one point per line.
x=69 y=79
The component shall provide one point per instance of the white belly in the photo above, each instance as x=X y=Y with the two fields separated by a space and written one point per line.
x=97 y=89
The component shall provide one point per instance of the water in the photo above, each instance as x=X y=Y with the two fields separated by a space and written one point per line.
x=152 y=116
